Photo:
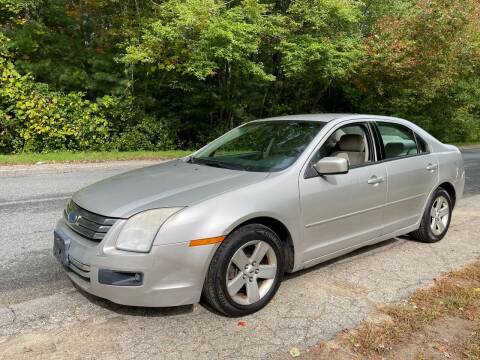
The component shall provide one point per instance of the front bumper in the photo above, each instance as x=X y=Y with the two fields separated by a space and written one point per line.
x=172 y=274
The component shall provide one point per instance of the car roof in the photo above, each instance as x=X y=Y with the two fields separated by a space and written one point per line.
x=310 y=117
x=328 y=117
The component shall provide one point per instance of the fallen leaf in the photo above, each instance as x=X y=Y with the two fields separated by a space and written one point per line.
x=294 y=352
x=441 y=348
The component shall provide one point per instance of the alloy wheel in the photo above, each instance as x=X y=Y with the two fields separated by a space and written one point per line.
x=439 y=215
x=251 y=272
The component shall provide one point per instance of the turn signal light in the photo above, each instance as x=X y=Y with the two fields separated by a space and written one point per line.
x=207 y=241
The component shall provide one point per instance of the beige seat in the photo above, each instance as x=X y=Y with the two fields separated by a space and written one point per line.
x=352 y=148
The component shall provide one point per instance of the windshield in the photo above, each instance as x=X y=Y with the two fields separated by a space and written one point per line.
x=260 y=146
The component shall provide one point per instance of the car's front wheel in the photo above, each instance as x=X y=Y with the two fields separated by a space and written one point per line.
x=436 y=219
x=245 y=272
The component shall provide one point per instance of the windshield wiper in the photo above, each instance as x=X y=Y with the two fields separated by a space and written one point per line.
x=214 y=163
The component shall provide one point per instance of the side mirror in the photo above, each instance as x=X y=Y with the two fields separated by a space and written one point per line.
x=331 y=166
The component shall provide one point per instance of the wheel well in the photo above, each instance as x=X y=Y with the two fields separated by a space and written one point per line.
x=282 y=232
x=451 y=191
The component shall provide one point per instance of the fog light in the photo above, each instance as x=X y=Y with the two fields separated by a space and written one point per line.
x=119 y=278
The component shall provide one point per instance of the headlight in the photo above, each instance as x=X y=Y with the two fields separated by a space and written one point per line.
x=140 y=230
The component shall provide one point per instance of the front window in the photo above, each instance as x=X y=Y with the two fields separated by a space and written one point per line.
x=349 y=142
x=260 y=146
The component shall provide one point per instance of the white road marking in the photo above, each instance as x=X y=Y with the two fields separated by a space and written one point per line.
x=33 y=201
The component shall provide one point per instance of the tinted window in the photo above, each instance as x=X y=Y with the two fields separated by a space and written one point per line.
x=260 y=146
x=398 y=140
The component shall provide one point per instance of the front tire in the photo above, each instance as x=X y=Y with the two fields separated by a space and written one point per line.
x=245 y=272
x=436 y=219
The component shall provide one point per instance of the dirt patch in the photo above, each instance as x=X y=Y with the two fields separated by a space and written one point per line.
x=441 y=321
x=441 y=340
x=63 y=344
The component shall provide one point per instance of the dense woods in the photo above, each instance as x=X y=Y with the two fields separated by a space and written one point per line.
x=167 y=74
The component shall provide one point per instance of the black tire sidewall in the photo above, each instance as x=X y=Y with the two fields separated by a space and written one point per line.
x=228 y=248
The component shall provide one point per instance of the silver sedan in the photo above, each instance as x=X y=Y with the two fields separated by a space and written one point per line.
x=272 y=196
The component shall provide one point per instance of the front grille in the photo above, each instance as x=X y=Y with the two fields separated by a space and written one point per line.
x=87 y=224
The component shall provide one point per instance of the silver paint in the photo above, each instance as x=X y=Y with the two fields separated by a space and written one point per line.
x=326 y=216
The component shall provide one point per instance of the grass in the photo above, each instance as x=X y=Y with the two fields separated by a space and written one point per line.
x=85 y=157
x=455 y=294
x=449 y=308
x=467 y=145
x=471 y=346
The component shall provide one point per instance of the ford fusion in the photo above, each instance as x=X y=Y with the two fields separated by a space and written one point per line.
x=270 y=197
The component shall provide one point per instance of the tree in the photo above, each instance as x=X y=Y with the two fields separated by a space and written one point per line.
x=422 y=65
x=177 y=73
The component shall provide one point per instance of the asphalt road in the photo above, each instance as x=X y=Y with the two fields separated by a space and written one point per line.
x=43 y=316
x=471 y=158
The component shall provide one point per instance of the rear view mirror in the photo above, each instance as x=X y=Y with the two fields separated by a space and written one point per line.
x=331 y=166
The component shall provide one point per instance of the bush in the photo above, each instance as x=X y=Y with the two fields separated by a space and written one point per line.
x=32 y=118
x=148 y=134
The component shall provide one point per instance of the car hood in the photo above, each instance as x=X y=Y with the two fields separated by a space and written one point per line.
x=171 y=184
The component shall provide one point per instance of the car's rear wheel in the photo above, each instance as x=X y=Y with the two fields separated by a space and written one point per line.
x=245 y=272
x=436 y=219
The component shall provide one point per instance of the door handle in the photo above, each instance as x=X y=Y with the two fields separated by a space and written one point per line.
x=431 y=167
x=374 y=180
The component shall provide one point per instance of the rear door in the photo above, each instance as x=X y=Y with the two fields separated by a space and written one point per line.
x=342 y=211
x=412 y=173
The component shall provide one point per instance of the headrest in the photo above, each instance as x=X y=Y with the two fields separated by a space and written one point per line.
x=394 y=149
x=351 y=142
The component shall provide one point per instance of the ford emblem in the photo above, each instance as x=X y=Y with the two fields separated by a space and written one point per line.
x=72 y=217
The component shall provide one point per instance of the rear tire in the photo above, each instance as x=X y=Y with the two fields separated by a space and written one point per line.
x=436 y=218
x=245 y=272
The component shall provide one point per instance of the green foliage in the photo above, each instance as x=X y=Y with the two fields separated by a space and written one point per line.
x=423 y=65
x=168 y=74
x=148 y=134
x=324 y=42
x=202 y=38
x=33 y=118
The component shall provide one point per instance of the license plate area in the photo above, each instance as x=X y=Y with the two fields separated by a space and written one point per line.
x=61 y=245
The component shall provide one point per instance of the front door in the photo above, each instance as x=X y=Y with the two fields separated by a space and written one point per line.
x=346 y=210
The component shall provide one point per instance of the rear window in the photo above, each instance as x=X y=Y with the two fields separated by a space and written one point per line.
x=422 y=144
x=398 y=140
